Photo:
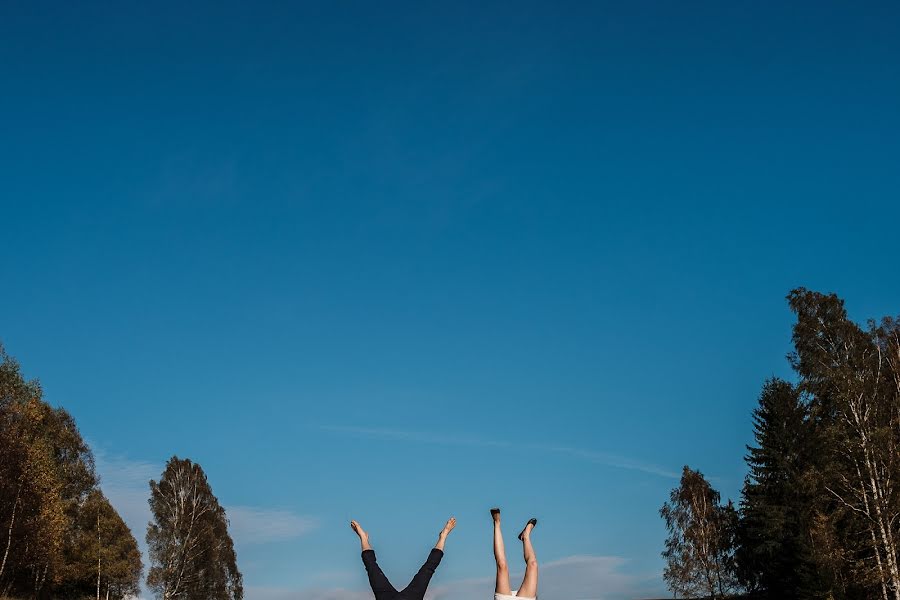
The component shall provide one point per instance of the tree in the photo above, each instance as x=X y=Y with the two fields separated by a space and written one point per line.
x=104 y=557
x=191 y=553
x=62 y=467
x=778 y=498
x=852 y=378
x=700 y=548
x=47 y=481
x=32 y=504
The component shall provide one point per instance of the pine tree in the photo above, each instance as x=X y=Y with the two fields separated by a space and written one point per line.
x=777 y=499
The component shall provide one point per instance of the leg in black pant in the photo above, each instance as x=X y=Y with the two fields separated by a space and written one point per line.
x=377 y=579
x=416 y=588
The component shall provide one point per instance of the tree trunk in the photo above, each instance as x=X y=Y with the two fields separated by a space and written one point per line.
x=98 y=554
x=874 y=486
x=12 y=521
x=884 y=590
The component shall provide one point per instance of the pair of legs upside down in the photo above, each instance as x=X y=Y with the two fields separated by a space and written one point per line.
x=378 y=580
x=528 y=589
x=383 y=589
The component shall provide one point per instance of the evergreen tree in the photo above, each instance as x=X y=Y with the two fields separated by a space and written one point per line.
x=778 y=498
x=191 y=552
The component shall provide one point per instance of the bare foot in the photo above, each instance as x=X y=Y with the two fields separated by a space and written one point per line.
x=495 y=515
x=442 y=537
x=451 y=523
x=363 y=536
x=527 y=531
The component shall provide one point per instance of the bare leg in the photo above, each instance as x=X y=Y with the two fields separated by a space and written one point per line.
x=528 y=589
x=502 y=586
x=419 y=584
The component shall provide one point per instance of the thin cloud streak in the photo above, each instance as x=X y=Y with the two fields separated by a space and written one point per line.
x=604 y=458
x=415 y=436
x=611 y=460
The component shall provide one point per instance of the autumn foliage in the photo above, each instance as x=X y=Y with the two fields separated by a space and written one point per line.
x=59 y=536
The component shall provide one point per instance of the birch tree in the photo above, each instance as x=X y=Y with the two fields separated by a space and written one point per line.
x=103 y=559
x=46 y=479
x=700 y=547
x=852 y=378
x=191 y=553
x=32 y=509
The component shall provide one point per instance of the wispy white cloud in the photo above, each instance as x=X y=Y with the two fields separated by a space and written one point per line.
x=271 y=593
x=254 y=525
x=570 y=578
x=126 y=484
x=604 y=458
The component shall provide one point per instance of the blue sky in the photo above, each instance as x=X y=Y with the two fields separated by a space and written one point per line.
x=399 y=261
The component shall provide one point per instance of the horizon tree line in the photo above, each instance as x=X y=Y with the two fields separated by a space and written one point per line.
x=819 y=513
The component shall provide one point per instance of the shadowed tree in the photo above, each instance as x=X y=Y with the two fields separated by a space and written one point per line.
x=778 y=499
x=851 y=377
x=191 y=552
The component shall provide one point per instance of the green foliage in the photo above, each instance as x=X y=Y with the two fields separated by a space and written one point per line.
x=102 y=553
x=191 y=552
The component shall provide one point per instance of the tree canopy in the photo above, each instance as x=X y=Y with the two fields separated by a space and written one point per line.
x=49 y=494
x=820 y=507
x=191 y=552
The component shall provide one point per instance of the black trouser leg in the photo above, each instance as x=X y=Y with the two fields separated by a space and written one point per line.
x=416 y=588
x=377 y=579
